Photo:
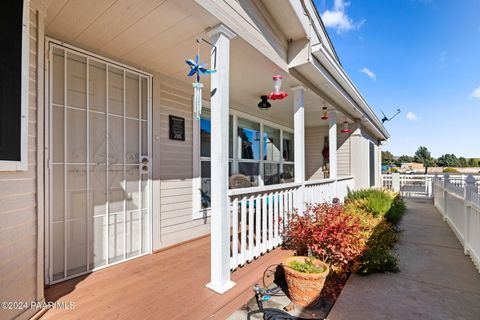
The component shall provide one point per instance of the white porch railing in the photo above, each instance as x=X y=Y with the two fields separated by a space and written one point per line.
x=419 y=185
x=459 y=204
x=258 y=215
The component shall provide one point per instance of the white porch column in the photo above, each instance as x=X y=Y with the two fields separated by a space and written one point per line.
x=299 y=139
x=332 y=143
x=220 y=213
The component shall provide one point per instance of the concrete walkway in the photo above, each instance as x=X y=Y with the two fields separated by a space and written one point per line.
x=436 y=280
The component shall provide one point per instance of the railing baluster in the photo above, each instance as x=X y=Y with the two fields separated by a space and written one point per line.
x=270 y=221
x=243 y=244
x=258 y=226
x=251 y=212
x=276 y=199
x=281 y=214
x=264 y=223
x=234 y=262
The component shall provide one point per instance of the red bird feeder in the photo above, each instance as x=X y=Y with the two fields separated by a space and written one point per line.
x=277 y=94
x=324 y=113
x=346 y=129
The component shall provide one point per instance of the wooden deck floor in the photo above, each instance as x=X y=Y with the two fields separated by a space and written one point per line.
x=165 y=285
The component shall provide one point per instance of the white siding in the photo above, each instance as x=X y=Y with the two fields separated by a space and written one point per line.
x=176 y=167
x=18 y=213
x=314 y=142
x=343 y=154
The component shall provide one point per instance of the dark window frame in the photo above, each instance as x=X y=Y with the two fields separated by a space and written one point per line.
x=14 y=65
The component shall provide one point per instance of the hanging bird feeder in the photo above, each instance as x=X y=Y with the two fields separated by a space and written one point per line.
x=346 y=129
x=197 y=69
x=277 y=94
x=324 y=113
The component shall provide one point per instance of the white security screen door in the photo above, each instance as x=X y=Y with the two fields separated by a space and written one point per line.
x=98 y=163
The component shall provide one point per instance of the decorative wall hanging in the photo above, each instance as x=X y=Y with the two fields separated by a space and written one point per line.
x=326 y=153
x=197 y=69
x=346 y=129
x=277 y=94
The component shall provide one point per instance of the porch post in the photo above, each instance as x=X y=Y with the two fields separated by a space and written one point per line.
x=299 y=140
x=332 y=143
x=220 y=282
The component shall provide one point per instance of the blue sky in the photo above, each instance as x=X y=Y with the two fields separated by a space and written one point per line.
x=422 y=56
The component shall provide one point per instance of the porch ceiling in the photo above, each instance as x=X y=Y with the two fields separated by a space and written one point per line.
x=158 y=35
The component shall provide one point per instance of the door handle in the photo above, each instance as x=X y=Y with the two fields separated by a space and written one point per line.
x=144 y=160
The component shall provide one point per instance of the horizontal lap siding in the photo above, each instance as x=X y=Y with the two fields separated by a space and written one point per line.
x=314 y=143
x=343 y=157
x=176 y=167
x=18 y=209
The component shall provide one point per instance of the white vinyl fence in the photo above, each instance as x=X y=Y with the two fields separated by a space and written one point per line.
x=259 y=214
x=459 y=204
x=420 y=185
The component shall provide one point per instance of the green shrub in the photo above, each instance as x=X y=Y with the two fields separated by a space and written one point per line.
x=452 y=170
x=396 y=210
x=378 y=259
x=305 y=267
x=377 y=201
x=378 y=256
x=378 y=211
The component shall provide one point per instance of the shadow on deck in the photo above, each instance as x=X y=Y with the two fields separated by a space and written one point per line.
x=166 y=285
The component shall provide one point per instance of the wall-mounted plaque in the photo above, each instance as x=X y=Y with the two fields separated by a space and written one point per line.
x=177 y=128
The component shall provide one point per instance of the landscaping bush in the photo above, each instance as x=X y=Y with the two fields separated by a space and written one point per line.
x=378 y=256
x=378 y=211
x=450 y=170
x=326 y=232
x=395 y=213
x=357 y=236
x=375 y=201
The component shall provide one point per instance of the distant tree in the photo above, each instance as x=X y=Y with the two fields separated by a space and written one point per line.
x=472 y=162
x=448 y=160
x=462 y=162
x=422 y=155
x=404 y=159
x=387 y=158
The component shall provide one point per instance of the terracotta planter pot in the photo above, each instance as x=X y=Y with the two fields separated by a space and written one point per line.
x=304 y=288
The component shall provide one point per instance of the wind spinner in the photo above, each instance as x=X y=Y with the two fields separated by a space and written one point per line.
x=197 y=69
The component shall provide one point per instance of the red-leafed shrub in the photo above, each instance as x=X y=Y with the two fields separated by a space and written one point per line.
x=326 y=232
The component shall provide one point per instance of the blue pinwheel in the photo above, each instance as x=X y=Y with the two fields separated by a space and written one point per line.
x=198 y=68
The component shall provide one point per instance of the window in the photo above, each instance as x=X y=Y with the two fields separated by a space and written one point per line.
x=260 y=154
x=271 y=155
x=287 y=174
x=249 y=149
x=205 y=173
x=14 y=86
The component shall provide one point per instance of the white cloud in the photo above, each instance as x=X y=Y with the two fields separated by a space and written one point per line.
x=411 y=116
x=338 y=19
x=369 y=73
x=475 y=94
